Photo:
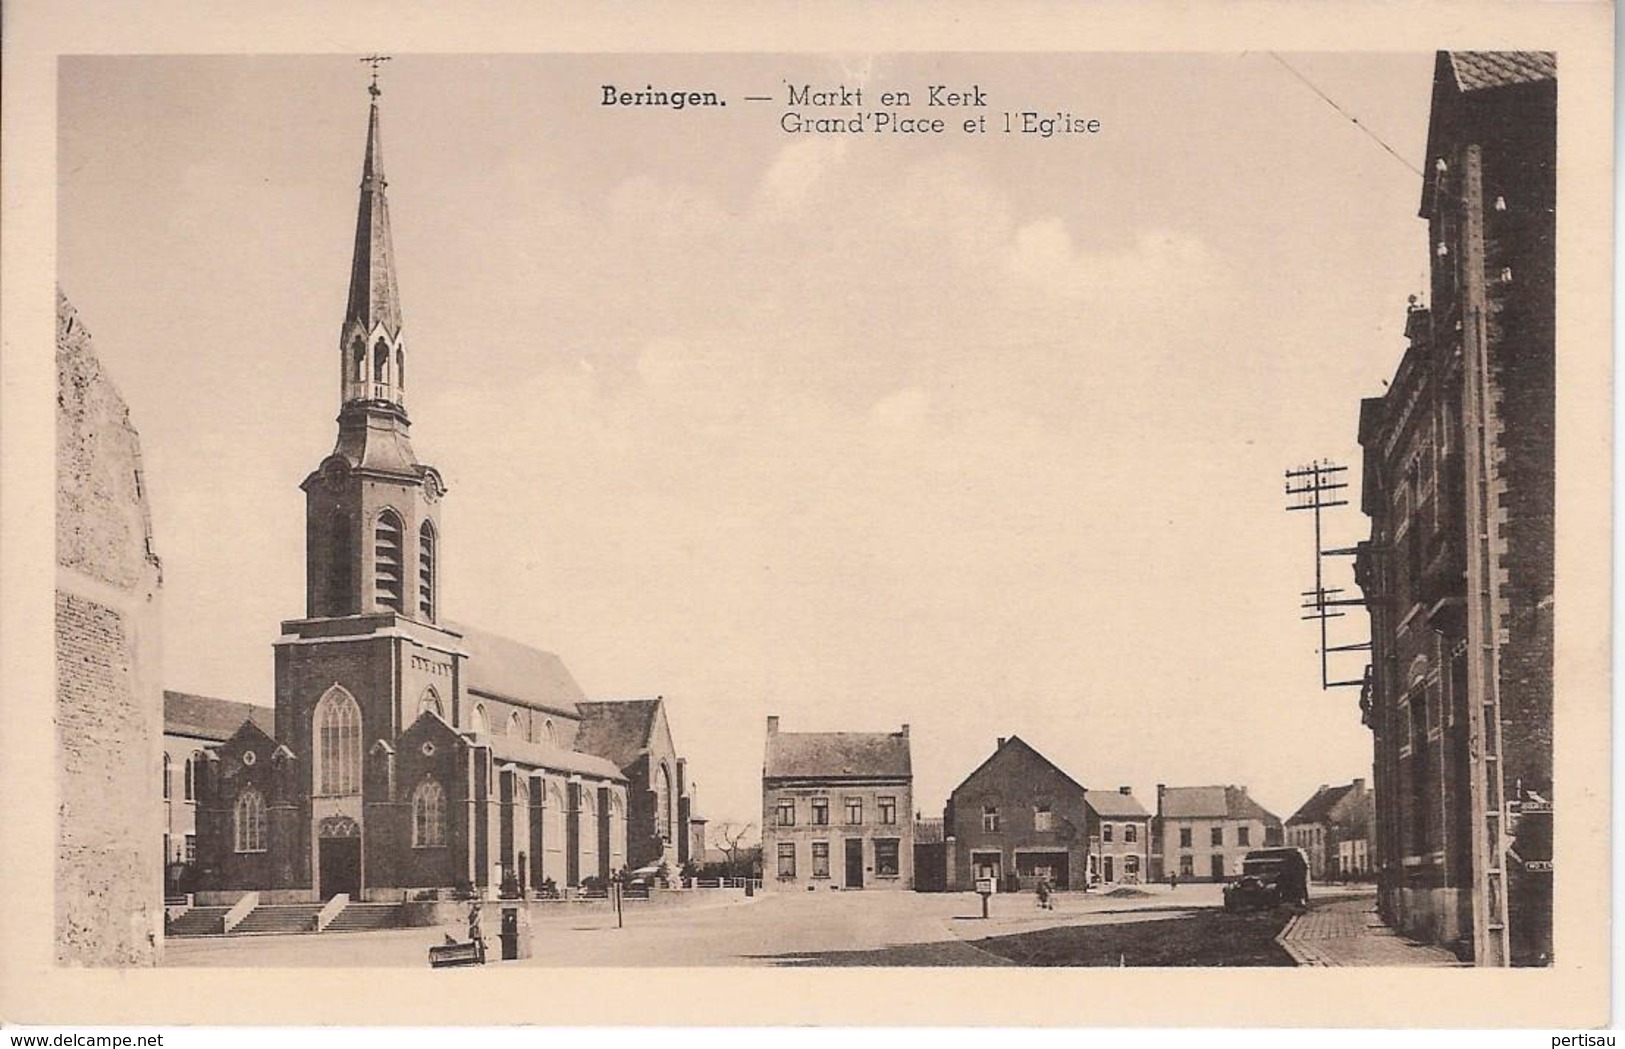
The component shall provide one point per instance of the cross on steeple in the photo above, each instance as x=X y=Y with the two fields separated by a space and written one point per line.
x=375 y=60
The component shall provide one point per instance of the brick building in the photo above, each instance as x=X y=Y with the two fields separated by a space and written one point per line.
x=192 y=725
x=1333 y=828
x=1202 y=833
x=109 y=701
x=1017 y=818
x=662 y=824
x=1458 y=481
x=1119 y=837
x=837 y=810
x=408 y=752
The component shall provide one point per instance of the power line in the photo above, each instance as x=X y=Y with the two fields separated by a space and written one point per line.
x=1351 y=117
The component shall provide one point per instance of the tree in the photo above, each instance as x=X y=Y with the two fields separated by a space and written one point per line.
x=731 y=841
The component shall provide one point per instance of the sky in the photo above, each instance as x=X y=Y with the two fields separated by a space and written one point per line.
x=982 y=433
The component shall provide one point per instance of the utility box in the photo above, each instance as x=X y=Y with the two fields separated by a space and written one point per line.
x=515 y=933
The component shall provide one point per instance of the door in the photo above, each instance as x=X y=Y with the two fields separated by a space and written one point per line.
x=854 y=863
x=1217 y=863
x=1109 y=871
x=340 y=866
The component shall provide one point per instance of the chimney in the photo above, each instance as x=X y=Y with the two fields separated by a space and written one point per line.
x=905 y=730
x=1359 y=785
x=772 y=724
x=1125 y=790
x=1001 y=741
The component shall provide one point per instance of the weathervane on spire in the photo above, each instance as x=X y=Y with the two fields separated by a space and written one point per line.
x=375 y=60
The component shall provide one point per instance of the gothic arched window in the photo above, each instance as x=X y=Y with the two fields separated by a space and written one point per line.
x=400 y=367
x=191 y=778
x=548 y=735
x=167 y=774
x=663 y=803
x=359 y=347
x=429 y=702
x=248 y=818
x=428 y=815
x=387 y=561
x=516 y=728
x=426 y=566
x=380 y=361
x=338 y=743
x=477 y=722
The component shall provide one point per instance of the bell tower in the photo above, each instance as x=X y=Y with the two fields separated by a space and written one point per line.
x=372 y=530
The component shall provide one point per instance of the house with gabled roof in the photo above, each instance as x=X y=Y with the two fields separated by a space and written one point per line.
x=837 y=810
x=1119 y=837
x=1017 y=818
x=1334 y=829
x=1202 y=833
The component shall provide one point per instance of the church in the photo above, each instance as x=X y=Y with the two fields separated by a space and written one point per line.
x=411 y=755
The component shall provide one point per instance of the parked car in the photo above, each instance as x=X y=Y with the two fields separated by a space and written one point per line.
x=1269 y=878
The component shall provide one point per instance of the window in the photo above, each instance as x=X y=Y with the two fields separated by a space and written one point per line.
x=787 y=859
x=249 y=821
x=548 y=735
x=167 y=772
x=820 y=859
x=1043 y=819
x=360 y=348
x=1216 y=866
x=1244 y=835
x=1108 y=870
x=189 y=774
x=190 y=855
x=380 y=361
x=820 y=812
x=1184 y=837
x=787 y=812
x=1216 y=836
x=663 y=801
x=426 y=553
x=387 y=561
x=516 y=728
x=990 y=818
x=1131 y=833
x=1131 y=867
x=477 y=722
x=429 y=816
x=400 y=367
x=429 y=703
x=1106 y=832
x=886 y=854
x=338 y=743
x=1187 y=866
x=854 y=811
x=888 y=809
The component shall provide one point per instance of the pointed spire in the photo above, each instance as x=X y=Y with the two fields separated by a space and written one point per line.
x=374 y=298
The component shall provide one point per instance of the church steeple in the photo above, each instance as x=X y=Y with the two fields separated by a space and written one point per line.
x=372 y=535
x=372 y=349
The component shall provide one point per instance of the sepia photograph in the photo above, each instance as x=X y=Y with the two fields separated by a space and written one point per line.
x=859 y=509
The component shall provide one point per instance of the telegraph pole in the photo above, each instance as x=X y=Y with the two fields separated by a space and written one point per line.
x=1316 y=488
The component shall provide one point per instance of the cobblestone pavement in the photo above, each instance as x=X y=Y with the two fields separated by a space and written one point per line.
x=1349 y=932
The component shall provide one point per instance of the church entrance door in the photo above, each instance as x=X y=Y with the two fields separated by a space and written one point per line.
x=338 y=849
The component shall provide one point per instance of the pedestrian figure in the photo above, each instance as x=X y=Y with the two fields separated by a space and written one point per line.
x=1042 y=892
x=1173 y=880
x=475 y=935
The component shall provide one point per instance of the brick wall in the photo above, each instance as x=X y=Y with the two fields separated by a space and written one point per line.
x=109 y=711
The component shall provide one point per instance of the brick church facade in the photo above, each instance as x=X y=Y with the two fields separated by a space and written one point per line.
x=410 y=753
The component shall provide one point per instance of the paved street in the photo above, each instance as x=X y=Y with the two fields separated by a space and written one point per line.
x=1349 y=933
x=876 y=928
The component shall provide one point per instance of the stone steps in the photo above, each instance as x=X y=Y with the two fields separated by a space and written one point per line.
x=200 y=921
x=283 y=917
x=361 y=917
